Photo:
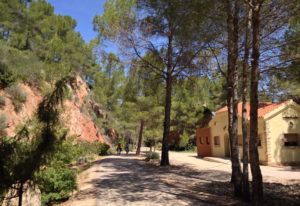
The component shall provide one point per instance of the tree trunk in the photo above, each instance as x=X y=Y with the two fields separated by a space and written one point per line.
x=232 y=97
x=257 y=183
x=168 y=100
x=138 y=149
x=165 y=144
x=20 y=194
x=245 y=72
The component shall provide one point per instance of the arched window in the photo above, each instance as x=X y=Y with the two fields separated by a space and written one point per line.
x=217 y=140
x=207 y=140
x=201 y=140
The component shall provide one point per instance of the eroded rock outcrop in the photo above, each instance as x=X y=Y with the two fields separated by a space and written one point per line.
x=79 y=123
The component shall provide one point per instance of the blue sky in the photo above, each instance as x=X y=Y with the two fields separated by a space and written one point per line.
x=81 y=10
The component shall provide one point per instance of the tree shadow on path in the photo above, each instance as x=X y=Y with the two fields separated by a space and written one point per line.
x=132 y=181
x=128 y=180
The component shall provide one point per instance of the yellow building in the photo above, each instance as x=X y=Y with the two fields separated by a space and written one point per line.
x=278 y=131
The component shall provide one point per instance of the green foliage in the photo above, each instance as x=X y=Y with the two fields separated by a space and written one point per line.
x=176 y=55
x=3 y=125
x=56 y=183
x=21 y=66
x=119 y=14
x=7 y=77
x=18 y=97
x=58 y=180
x=17 y=94
x=38 y=45
x=152 y=156
x=152 y=136
x=184 y=140
x=2 y=101
x=191 y=97
x=23 y=155
x=108 y=82
x=285 y=82
x=103 y=149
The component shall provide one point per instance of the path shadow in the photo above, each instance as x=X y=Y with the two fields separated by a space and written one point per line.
x=132 y=180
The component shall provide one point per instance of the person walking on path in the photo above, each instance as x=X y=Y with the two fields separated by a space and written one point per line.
x=119 y=149
x=127 y=148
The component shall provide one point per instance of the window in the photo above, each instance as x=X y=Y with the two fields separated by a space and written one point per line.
x=216 y=140
x=201 y=140
x=291 y=139
x=207 y=140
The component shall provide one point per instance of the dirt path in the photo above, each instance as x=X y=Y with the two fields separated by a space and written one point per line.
x=129 y=180
x=282 y=175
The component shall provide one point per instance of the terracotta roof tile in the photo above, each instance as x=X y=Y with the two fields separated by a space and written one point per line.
x=263 y=108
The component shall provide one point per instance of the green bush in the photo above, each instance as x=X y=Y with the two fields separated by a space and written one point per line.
x=7 y=77
x=18 y=97
x=159 y=146
x=104 y=149
x=58 y=180
x=56 y=183
x=152 y=156
x=184 y=140
x=149 y=142
x=71 y=150
x=2 y=101
x=3 y=125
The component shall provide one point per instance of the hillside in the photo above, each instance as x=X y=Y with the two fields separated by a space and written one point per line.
x=79 y=123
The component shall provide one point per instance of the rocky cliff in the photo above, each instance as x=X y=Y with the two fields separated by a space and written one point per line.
x=79 y=123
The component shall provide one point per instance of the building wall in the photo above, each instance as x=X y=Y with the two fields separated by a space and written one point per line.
x=277 y=125
x=262 y=149
x=204 y=142
x=219 y=127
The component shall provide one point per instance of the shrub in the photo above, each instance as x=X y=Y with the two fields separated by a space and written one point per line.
x=58 y=180
x=152 y=156
x=7 y=77
x=3 y=124
x=184 y=141
x=2 y=101
x=104 y=149
x=18 y=97
x=159 y=146
x=56 y=183
x=149 y=142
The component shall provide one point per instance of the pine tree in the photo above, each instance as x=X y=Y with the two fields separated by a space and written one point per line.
x=175 y=54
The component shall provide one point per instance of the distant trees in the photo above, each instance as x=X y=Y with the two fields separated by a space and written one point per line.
x=38 y=45
x=160 y=29
x=142 y=107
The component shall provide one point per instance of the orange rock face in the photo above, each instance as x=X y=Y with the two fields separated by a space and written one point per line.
x=78 y=123
x=29 y=108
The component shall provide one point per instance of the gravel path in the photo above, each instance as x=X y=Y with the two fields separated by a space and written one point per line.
x=282 y=175
x=129 y=180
